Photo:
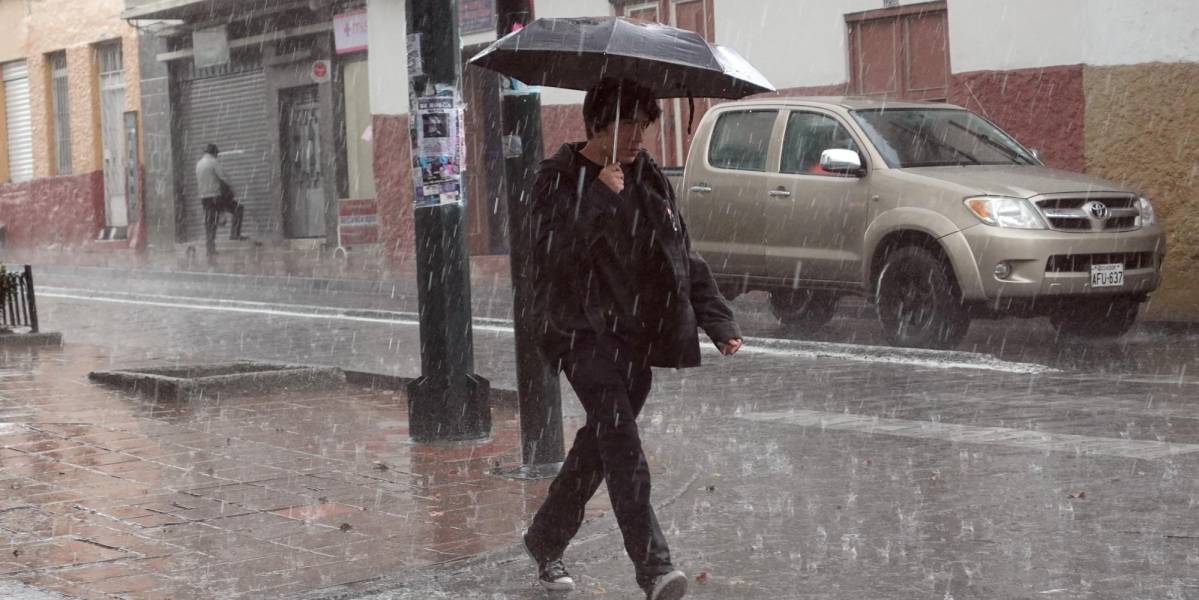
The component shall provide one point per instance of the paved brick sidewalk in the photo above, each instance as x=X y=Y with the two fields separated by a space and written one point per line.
x=107 y=494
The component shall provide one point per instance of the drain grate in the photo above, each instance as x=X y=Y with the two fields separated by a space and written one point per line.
x=189 y=381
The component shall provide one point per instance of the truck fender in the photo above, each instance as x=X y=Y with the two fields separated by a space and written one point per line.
x=932 y=224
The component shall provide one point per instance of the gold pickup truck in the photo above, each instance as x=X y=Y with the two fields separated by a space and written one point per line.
x=928 y=210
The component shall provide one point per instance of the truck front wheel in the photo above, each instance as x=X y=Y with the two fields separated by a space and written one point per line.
x=804 y=309
x=918 y=301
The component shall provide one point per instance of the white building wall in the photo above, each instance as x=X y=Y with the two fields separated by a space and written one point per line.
x=389 y=50
x=794 y=43
x=1018 y=34
x=387 y=29
x=802 y=43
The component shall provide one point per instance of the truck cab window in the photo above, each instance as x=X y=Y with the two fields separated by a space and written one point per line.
x=741 y=140
x=808 y=135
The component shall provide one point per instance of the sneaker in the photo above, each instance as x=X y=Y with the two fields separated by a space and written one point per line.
x=671 y=586
x=551 y=574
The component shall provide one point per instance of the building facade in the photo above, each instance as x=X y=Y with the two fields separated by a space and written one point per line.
x=70 y=143
x=309 y=102
x=282 y=88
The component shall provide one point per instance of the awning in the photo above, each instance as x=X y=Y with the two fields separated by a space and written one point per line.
x=175 y=9
x=203 y=10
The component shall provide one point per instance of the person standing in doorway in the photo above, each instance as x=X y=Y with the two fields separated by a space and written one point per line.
x=617 y=290
x=216 y=196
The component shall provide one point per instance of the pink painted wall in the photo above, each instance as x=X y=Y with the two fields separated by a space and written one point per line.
x=1043 y=108
x=65 y=212
x=393 y=182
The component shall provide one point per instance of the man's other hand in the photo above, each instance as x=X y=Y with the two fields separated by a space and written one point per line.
x=613 y=177
x=729 y=347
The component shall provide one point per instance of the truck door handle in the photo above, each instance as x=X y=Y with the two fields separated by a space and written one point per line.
x=780 y=193
x=701 y=188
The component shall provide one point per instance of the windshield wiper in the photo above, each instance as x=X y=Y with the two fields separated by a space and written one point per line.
x=988 y=140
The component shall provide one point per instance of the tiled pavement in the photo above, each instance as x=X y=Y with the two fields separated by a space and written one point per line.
x=107 y=494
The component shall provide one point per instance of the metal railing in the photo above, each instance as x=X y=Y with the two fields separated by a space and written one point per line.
x=18 y=306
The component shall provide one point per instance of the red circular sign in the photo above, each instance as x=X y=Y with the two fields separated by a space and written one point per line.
x=320 y=70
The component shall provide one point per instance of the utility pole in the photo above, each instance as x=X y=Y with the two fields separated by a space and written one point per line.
x=448 y=401
x=540 y=399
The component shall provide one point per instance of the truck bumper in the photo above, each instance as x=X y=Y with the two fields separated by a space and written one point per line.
x=1046 y=264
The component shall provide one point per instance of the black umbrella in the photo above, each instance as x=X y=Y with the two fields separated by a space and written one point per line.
x=575 y=53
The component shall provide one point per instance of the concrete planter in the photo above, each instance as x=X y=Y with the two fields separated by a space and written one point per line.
x=43 y=339
x=240 y=378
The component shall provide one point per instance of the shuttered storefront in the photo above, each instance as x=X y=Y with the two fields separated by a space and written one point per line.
x=18 y=120
x=227 y=106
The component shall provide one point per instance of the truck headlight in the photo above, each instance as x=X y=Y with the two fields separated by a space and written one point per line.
x=999 y=211
x=1147 y=216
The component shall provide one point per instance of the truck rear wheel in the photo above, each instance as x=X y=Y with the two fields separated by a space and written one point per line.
x=805 y=309
x=919 y=304
x=1097 y=319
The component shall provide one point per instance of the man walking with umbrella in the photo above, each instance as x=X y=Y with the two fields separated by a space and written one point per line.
x=618 y=290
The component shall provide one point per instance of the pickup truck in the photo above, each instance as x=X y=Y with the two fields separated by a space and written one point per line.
x=929 y=210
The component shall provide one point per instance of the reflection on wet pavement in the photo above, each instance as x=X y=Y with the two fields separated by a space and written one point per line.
x=222 y=497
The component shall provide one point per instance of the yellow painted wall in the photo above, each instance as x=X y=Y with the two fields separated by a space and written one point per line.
x=12 y=41
x=75 y=27
x=1140 y=129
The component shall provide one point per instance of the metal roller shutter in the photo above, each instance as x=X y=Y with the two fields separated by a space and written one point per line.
x=17 y=112
x=229 y=109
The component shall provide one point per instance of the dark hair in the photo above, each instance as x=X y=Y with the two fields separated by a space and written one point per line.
x=599 y=106
x=211 y=149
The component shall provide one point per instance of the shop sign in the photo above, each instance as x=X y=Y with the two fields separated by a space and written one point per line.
x=350 y=32
x=476 y=15
x=357 y=222
x=210 y=47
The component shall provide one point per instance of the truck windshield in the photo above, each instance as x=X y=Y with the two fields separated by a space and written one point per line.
x=939 y=137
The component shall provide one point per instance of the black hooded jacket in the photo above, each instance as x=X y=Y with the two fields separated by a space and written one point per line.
x=619 y=263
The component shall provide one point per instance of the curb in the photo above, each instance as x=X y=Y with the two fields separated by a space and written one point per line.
x=46 y=339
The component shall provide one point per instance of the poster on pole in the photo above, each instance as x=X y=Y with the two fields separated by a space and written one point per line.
x=439 y=151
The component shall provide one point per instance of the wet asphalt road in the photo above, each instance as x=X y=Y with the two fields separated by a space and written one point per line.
x=1151 y=350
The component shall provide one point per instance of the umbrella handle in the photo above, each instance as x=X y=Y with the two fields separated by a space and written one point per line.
x=616 y=125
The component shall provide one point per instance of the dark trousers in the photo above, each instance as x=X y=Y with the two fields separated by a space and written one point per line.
x=213 y=207
x=612 y=382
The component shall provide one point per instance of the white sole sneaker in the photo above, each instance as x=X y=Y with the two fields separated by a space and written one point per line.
x=671 y=586
x=561 y=584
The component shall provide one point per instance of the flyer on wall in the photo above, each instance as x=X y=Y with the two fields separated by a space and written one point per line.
x=439 y=150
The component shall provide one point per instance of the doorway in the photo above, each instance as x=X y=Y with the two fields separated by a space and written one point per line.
x=112 y=136
x=304 y=202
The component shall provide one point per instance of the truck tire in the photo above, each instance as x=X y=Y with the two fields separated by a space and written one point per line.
x=919 y=304
x=804 y=309
x=1097 y=319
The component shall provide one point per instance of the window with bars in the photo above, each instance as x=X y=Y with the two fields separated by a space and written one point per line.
x=61 y=103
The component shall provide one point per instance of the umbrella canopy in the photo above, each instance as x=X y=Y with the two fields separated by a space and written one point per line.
x=576 y=53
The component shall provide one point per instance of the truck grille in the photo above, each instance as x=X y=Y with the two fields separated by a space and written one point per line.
x=1075 y=214
x=1081 y=263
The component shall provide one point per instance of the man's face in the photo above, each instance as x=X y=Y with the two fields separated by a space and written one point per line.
x=627 y=134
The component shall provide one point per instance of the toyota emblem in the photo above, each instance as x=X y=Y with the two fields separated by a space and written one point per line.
x=1097 y=210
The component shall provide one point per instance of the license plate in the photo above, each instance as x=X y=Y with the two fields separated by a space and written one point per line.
x=1107 y=275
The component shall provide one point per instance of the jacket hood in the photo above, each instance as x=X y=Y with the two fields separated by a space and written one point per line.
x=1017 y=181
x=565 y=160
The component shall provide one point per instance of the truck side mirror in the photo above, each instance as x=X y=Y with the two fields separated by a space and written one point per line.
x=840 y=160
